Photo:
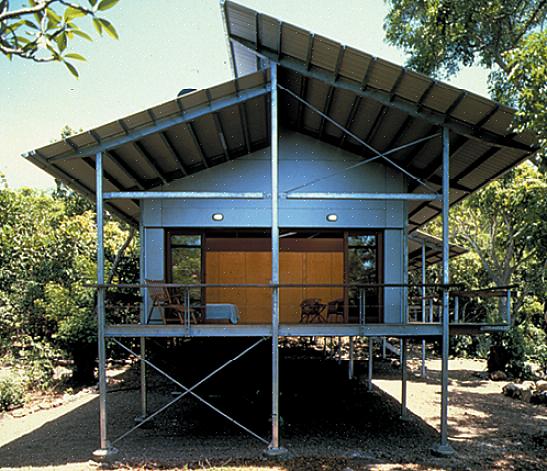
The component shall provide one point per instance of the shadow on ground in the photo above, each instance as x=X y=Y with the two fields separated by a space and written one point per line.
x=328 y=422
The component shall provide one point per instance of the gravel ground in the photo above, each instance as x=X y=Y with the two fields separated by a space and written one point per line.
x=328 y=421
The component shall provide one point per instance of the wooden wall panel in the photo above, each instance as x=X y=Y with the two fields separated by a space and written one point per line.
x=255 y=267
x=291 y=268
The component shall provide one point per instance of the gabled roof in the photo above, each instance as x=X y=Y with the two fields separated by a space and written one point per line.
x=383 y=104
x=163 y=143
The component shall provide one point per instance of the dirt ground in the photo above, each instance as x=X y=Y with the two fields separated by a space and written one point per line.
x=328 y=422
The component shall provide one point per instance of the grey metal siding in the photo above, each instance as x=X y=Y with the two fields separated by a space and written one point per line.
x=302 y=159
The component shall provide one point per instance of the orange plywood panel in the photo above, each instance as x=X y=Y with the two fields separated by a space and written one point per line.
x=291 y=267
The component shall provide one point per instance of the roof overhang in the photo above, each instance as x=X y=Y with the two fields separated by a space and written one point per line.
x=382 y=104
x=433 y=246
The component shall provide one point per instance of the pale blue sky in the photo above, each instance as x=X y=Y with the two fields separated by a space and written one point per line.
x=164 y=45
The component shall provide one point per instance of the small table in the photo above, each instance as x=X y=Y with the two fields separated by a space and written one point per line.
x=312 y=309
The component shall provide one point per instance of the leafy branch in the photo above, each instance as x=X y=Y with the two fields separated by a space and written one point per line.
x=42 y=30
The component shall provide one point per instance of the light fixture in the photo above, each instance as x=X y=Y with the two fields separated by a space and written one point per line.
x=217 y=216
x=332 y=217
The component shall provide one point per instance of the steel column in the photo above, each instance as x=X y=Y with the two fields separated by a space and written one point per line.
x=404 y=378
x=143 y=395
x=443 y=447
x=424 y=372
x=105 y=448
x=350 y=367
x=274 y=447
x=370 y=351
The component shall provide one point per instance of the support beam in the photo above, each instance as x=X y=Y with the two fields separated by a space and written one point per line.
x=384 y=98
x=220 y=130
x=423 y=293
x=370 y=360
x=143 y=294
x=274 y=447
x=105 y=449
x=351 y=355
x=115 y=158
x=39 y=160
x=444 y=448
x=197 y=145
x=144 y=195
x=377 y=153
x=364 y=196
x=404 y=379
x=166 y=123
x=143 y=153
x=173 y=152
x=351 y=116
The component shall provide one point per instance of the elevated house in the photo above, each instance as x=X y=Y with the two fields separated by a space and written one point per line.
x=286 y=201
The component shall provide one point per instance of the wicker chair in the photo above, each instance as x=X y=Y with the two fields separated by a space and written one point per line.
x=336 y=308
x=172 y=309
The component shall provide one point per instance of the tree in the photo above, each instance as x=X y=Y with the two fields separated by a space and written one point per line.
x=504 y=36
x=42 y=30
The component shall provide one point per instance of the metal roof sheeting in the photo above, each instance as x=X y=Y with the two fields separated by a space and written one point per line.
x=381 y=103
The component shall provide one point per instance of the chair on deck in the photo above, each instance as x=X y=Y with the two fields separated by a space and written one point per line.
x=336 y=308
x=311 y=309
x=172 y=309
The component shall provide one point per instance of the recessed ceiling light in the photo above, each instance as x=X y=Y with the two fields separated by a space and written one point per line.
x=332 y=217
x=218 y=217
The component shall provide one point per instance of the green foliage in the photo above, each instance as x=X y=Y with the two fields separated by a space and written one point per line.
x=43 y=30
x=523 y=343
x=504 y=226
x=47 y=255
x=503 y=36
x=11 y=393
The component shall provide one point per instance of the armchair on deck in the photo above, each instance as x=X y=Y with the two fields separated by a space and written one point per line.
x=336 y=308
x=172 y=309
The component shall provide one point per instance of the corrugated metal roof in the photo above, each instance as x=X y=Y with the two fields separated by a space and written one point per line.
x=159 y=144
x=382 y=103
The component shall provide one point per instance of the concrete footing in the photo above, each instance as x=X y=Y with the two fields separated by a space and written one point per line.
x=105 y=454
x=442 y=450
x=276 y=452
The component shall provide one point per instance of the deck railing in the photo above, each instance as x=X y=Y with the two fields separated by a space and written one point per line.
x=482 y=306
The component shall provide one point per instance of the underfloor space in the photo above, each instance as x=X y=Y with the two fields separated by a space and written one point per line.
x=328 y=421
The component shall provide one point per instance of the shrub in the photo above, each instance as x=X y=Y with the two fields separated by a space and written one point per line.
x=11 y=393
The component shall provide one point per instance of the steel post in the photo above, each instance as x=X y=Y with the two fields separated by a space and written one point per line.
x=370 y=351
x=404 y=378
x=444 y=448
x=351 y=354
x=105 y=450
x=274 y=448
x=424 y=372
x=143 y=395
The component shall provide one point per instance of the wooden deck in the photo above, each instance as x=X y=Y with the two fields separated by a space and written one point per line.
x=414 y=329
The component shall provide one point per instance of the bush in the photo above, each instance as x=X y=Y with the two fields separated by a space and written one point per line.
x=11 y=393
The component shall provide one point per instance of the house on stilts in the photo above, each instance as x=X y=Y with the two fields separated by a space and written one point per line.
x=287 y=201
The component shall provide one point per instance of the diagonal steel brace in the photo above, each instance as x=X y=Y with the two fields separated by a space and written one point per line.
x=379 y=154
x=189 y=390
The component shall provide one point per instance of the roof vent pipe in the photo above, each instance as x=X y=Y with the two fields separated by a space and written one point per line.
x=184 y=91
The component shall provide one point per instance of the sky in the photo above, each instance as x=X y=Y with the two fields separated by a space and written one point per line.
x=164 y=46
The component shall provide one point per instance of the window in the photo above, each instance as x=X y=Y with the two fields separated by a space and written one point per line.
x=184 y=261
x=363 y=266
